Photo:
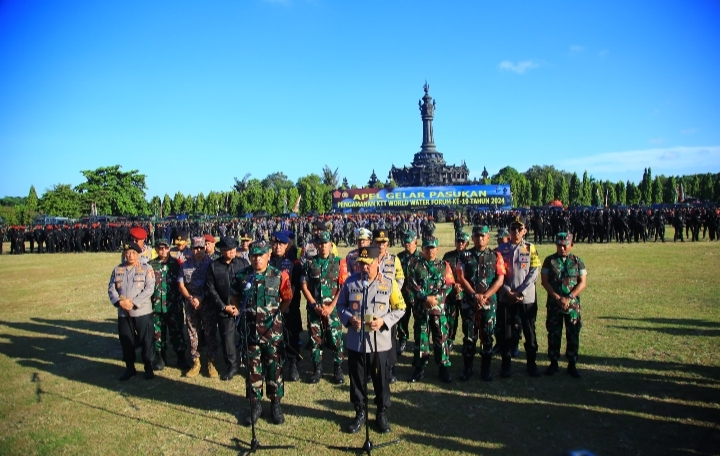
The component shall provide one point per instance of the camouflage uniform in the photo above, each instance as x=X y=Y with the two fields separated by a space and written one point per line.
x=429 y=278
x=480 y=267
x=261 y=293
x=194 y=275
x=403 y=326
x=167 y=308
x=563 y=274
x=324 y=277
x=454 y=299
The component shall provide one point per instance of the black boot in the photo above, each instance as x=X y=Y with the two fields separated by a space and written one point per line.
x=229 y=374
x=317 y=373
x=276 y=413
x=485 y=368
x=417 y=375
x=255 y=412
x=149 y=374
x=552 y=368
x=572 y=370
x=158 y=363
x=445 y=374
x=468 y=370
x=506 y=367
x=338 y=374
x=358 y=421
x=532 y=369
x=294 y=374
x=381 y=419
x=393 y=376
x=129 y=372
x=182 y=363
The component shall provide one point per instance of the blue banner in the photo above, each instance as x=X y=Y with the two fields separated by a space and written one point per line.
x=489 y=196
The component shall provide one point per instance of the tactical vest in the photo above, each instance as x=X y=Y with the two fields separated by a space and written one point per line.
x=389 y=266
x=480 y=271
x=323 y=279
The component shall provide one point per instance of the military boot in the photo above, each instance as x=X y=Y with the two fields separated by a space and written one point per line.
x=358 y=421
x=572 y=370
x=552 y=368
x=381 y=419
x=468 y=368
x=294 y=375
x=506 y=367
x=276 y=414
x=255 y=412
x=417 y=375
x=149 y=374
x=195 y=369
x=158 y=363
x=444 y=374
x=182 y=363
x=338 y=374
x=532 y=369
x=129 y=372
x=212 y=372
x=317 y=373
x=485 y=367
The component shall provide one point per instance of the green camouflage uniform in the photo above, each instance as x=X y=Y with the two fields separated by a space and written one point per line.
x=563 y=274
x=321 y=276
x=167 y=305
x=259 y=293
x=403 y=326
x=480 y=270
x=454 y=299
x=429 y=278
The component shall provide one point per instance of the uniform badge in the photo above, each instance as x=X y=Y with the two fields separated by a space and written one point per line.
x=381 y=307
x=358 y=297
x=355 y=306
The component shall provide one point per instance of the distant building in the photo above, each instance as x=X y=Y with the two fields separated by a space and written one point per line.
x=428 y=167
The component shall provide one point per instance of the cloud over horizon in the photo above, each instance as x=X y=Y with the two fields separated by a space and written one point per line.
x=519 y=67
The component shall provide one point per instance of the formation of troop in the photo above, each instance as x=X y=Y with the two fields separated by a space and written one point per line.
x=359 y=307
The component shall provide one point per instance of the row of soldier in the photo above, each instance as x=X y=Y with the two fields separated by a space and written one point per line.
x=257 y=286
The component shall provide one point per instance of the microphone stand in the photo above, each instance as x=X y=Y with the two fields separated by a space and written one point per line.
x=254 y=445
x=368 y=445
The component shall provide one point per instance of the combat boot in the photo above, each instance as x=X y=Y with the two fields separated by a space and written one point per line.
x=444 y=374
x=506 y=367
x=158 y=363
x=338 y=374
x=294 y=374
x=468 y=368
x=255 y=412
x=212 y=372
x=182 y=363
x=485 y=368
x=129 y=372
x=149 y=374
x=317 y=373
x=381 y=419
x=194 y=370
x=552 y=368
x=532 y=369
x=276 y=414
x=417 y=375
x=358 y=421
x=572 y=370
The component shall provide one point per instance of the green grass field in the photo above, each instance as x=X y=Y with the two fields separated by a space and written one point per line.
x=648 y=354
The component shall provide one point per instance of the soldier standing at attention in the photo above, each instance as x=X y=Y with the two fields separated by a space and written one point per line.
x=454 y=299
x=483 y=271
x=407 y=256
x=429 y=282
x=564 y=277
x=263 y=293
x=517 y=296
x=168 y=317
x=322 y=277
x=198 y=317
x=378 y=297
x=221 y=274
x=130 y=288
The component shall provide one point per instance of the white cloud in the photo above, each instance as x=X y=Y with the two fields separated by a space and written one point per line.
x=519 y=67
x=689 y=131
x=657 y=141
x=576 y=49
x=669 y=161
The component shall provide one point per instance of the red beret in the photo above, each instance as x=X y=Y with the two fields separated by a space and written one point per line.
x=209 y=238
x=138 y=233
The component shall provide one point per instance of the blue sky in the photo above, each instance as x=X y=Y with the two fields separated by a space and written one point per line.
x=194 y=93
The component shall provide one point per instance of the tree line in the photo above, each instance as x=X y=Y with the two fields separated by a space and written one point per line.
x=117 y=192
